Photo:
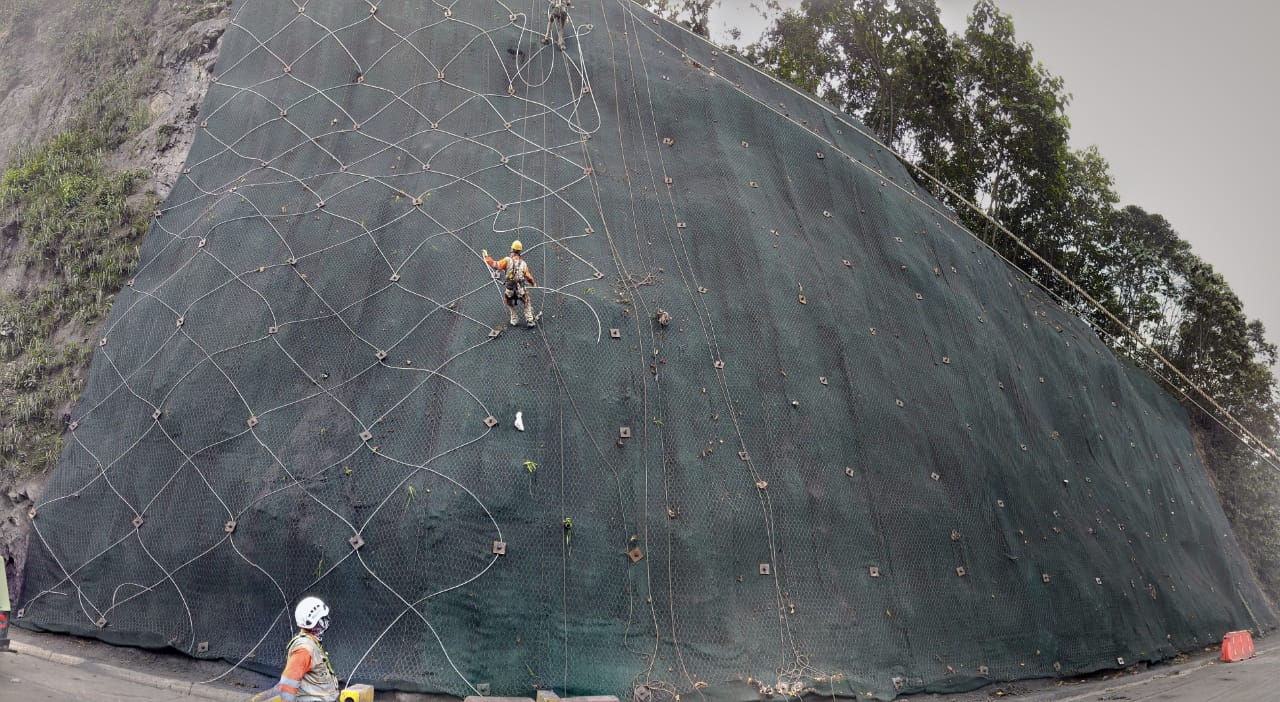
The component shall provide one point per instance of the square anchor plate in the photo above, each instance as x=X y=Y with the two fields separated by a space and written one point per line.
x=490 y=421
x=101 y=623
x=765 y=569
x=499 y=548
x=138 y=521
x=202 y=647
x=366 y=435
x=873 y=571
x=356 y=541
x=624 y=432
x=635 y=554
x=615 y=333
x=849 y=471
x=230 y=526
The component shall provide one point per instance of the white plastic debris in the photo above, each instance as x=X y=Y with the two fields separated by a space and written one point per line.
x=519 y=421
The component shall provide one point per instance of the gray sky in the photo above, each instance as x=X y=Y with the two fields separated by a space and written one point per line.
x=1181 y=97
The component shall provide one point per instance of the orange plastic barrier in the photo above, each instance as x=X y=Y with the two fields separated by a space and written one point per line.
x=1236 y=646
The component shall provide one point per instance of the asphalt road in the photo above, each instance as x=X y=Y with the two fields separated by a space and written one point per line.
x=28 y=679
x=1257 y=679
x=40 y=675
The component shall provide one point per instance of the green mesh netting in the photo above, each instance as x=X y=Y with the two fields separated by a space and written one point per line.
x=857 y=454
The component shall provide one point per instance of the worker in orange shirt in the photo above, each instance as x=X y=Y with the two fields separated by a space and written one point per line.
x=517 y=279
x=308 y=676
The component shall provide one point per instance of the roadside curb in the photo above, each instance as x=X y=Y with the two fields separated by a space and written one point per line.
x=186 y=688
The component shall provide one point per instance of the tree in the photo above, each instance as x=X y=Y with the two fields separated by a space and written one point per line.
x=891 y=64
x=1139 y=257
x=695 y=15
x=977 y=111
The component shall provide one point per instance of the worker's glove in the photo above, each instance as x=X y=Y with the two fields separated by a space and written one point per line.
x=484 y=252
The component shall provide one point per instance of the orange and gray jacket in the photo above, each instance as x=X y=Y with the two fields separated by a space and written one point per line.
x=517 y=270
x=307 y=676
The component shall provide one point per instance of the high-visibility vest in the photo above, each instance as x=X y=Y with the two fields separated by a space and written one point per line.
x=517 y=270
x=318 y=684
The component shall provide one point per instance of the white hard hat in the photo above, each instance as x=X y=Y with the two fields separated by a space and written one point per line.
x=309 y=612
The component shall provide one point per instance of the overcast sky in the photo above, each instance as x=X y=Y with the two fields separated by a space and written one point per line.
x=1182 y=99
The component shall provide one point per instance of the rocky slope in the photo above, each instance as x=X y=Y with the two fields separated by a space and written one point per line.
x=56 y=60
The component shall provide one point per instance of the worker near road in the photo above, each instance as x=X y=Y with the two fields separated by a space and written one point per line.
x=308 y=676
x=516 y=283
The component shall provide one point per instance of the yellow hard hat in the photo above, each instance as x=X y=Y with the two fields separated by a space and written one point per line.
x=517 y=246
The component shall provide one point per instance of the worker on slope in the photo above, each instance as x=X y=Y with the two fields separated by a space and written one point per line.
x=515 y=285
x=557 y=16
x=308 y=676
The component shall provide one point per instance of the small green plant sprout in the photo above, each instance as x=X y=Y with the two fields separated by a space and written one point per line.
x=530 y=467
x=346 y=470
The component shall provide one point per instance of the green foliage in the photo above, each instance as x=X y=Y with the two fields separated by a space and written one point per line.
x=79 y=220
x=80 y=231
x=80 y=223
x=891 y=64
x=112 y=34
x=695 y=15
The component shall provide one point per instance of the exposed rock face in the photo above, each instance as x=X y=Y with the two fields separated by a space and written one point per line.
x=37 y=93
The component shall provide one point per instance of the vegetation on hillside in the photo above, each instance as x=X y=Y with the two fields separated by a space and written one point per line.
x=78 y=222
x=977 y=111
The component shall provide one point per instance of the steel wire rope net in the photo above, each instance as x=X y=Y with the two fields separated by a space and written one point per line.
x=809 y=435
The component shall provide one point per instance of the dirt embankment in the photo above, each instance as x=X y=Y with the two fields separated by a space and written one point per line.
x=172 y=47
